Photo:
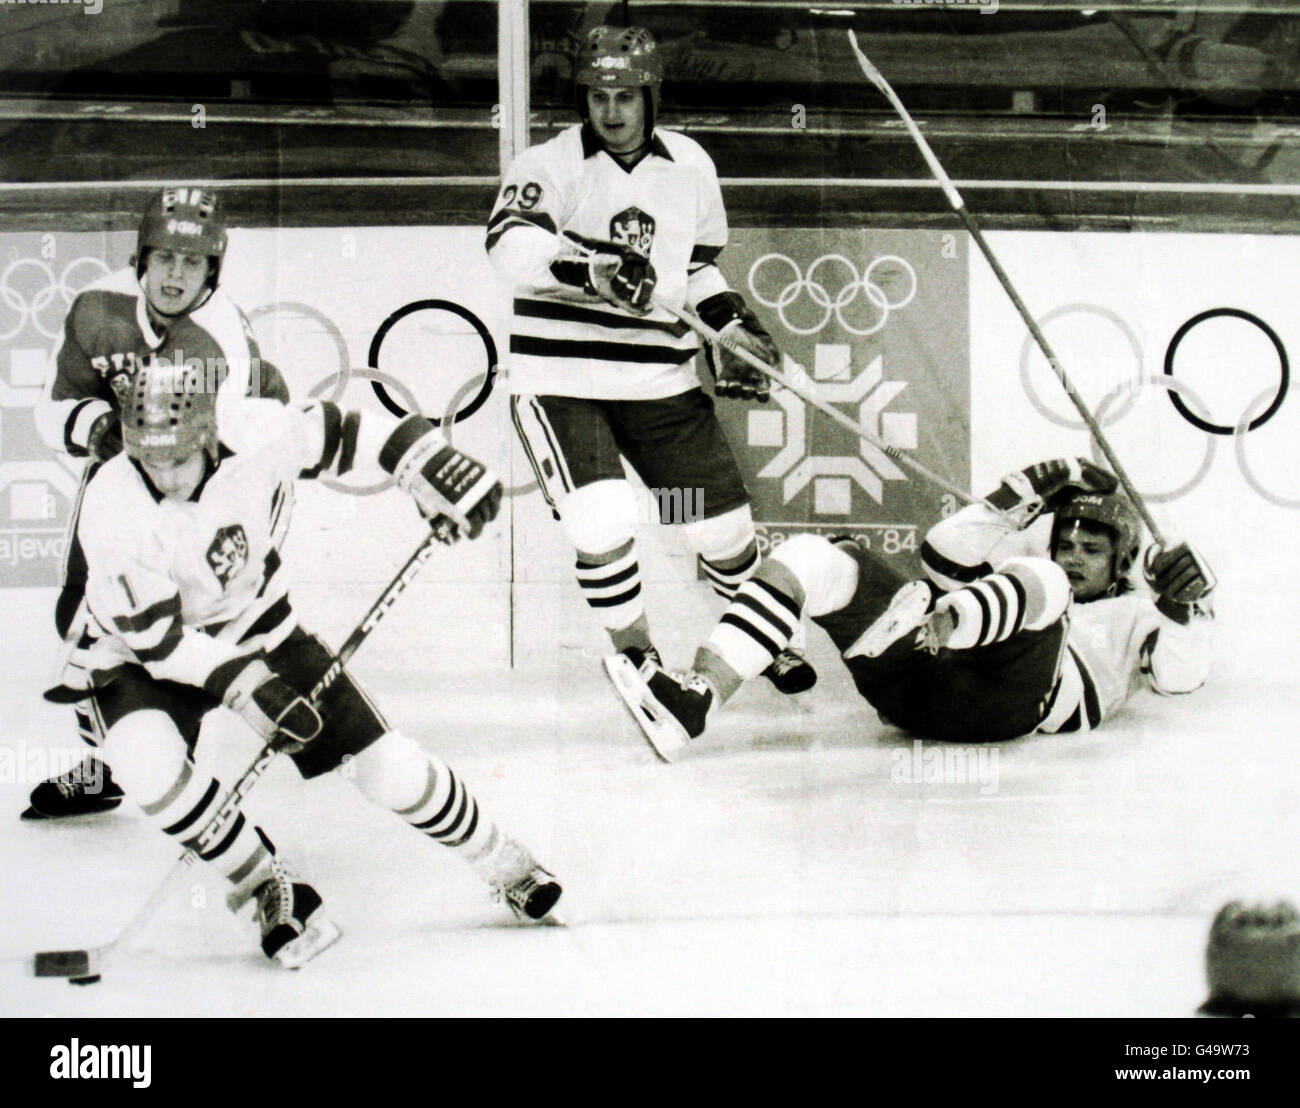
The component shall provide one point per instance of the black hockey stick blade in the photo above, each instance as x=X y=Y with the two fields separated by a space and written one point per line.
x=62 y=963
x=63 y=694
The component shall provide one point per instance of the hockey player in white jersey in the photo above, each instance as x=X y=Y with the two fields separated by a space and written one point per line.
x=167 y=304
x=999 y=639
x=190 y=610
x=589 y=229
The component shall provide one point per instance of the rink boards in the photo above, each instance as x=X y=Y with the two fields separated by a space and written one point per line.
x=1179 y=342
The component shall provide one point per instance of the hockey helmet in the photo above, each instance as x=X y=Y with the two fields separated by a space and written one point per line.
x=170 y=413
x=618 y=57
x=1116 y=513
x=185 y=219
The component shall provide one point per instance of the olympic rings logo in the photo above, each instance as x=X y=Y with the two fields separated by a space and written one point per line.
x=1120 y=399
x=871 y=290
x=386 y=384
x=55 y=291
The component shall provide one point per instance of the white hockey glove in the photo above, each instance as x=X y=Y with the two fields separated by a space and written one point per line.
x=272 y=707
x=1179 y=577
x=455 y=493
x=1045 y=486
x=727 y=313
x=611 y=270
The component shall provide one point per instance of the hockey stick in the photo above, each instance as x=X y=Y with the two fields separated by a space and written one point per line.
x=696 y=324
x=91 y=962
x=959 y=206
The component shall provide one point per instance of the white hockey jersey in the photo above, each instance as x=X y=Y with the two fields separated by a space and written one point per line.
x=1115 y=644
x=667 y=207
x=183 y=586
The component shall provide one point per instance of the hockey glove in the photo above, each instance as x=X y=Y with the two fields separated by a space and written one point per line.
x=733 y=376
x=1044 y=486
x=611 y=270
x=270 y=706
x=104 y=439
x=454 y=492
x=1179 y=577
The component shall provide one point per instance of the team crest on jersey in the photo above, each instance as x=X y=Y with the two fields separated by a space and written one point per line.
x=633 y=228
x=228 y=553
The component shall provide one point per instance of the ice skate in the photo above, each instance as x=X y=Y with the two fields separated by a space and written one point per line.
x=519 y=881
x=670 y=709
x=906 y=613
x=294 y=928
x=791 y=673
x=85 y=790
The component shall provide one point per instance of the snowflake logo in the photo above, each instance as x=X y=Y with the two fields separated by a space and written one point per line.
x=866 y=394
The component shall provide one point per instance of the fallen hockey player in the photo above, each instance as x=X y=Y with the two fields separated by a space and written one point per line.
x=999 y=639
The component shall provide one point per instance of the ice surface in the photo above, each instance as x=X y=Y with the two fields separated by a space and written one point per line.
x=787 y=865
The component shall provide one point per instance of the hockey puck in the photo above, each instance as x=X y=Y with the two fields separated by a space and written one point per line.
x=89 y=980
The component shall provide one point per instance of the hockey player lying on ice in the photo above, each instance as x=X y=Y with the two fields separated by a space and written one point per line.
x=996 y=641
x=190 y=610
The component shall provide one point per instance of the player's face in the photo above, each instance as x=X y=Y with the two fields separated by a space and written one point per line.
x=618 y=117
x=1087 y=555
x=176 y=480
x=174 y=281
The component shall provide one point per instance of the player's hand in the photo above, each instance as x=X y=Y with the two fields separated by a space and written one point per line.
x=1179 y=577
x=104 y=439
x=735 y=377
x=447 y=531
x=1061 y=479
x=272 y=707
x=457 y=494
x=611 y=270
x=1045 y=486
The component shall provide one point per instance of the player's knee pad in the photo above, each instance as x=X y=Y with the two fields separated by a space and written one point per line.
x=599 y=517
x=720 y=538
x=393 y=771
x=1047 y=589
x=147 y=754
x=827 y=575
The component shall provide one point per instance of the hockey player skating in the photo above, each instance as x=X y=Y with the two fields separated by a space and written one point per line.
x=167 y=303
x=996 y=641
x=189 y=610
x=586 y=229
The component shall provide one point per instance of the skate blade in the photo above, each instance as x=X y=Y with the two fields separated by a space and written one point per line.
x=901 y=618
x=319 y=934
x=33 y=813
x=667 y=737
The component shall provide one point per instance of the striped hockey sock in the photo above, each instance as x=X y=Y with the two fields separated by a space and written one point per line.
x=727 y=574
x=988 y=611
x=239 y=851
x=448 y=813
x=756 y=626
x=611 y=584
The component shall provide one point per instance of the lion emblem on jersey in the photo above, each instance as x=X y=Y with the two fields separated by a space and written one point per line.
x=635 y=228
x=228 y=553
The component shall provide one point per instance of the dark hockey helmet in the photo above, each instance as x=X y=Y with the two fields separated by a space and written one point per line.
x=171 y=413
x=619 y=56
x=1116 y=513
x=185 y=219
